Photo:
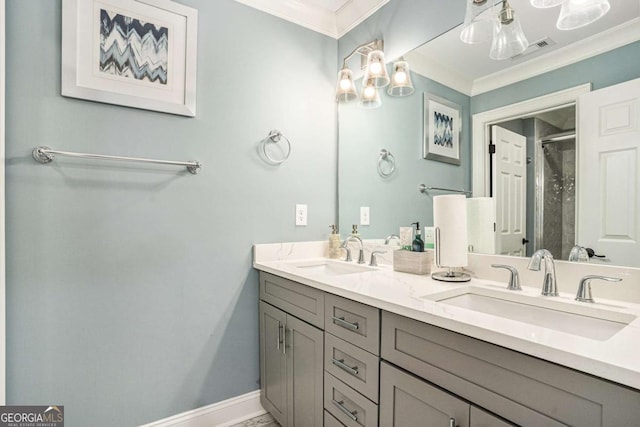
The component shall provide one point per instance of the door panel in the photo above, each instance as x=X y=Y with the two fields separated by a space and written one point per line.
x=406 y=401
x=608 y=175
x=510 y=181
x=273 y=367
x=304 y=348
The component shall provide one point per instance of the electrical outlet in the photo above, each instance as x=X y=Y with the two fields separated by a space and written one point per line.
x=365 y=219
x=429 y=237
x=301 y=215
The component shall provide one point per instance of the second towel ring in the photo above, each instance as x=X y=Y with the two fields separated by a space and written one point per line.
x=386 y=156
x=276 y=136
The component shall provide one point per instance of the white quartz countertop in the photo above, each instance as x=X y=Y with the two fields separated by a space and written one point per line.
x=616 y=358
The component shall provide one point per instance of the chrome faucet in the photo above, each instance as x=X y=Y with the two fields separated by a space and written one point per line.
x=578 y=254
x=389 y=237
x=549 y=286
x=345 y=245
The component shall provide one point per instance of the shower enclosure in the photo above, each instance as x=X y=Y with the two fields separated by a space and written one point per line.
x=556 y=193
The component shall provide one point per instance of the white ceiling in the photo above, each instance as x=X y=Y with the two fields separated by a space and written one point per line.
x=330 y=17
x=469 y=69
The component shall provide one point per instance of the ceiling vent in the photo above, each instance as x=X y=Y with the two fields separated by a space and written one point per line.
x=535 y=47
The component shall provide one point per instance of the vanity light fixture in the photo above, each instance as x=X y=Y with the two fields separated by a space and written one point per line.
x=376 y=70
x=508 y=38
x=370 y=97
x=346 y=89
x=401 y=84
x=579 y=13
x=478 y=22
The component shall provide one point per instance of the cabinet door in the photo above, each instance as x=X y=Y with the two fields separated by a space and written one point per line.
x=406 y=401
x=273 y=366
x=480 y=418
x=304 y=352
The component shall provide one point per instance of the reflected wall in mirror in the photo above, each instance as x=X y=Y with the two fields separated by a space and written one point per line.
x=397 y=126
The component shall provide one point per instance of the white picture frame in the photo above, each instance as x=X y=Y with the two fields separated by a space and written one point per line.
x=92 y=70
x=442 y=129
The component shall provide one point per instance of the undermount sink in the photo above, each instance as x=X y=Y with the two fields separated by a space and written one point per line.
x=579 y=319
x=331 y=268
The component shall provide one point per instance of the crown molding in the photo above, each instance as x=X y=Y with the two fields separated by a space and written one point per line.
x=430 y=69
x=324 y=21
x=613 y=38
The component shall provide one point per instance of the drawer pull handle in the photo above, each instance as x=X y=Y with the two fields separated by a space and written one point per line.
x=344 y=323
x=347 y=412
x=340 y=363
x=279 y=341
x=452 y=422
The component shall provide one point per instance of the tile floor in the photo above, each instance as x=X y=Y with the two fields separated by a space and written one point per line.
x=261 y=421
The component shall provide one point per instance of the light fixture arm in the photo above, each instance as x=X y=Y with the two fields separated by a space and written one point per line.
x=364 y=50
x=506 y=14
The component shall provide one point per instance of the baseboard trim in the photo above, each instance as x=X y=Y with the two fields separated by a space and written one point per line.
x=221 y=414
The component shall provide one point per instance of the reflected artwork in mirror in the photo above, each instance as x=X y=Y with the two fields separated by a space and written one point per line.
x=598 y=56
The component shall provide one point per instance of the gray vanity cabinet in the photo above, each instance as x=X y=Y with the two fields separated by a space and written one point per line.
x=291 y=353
x=519 y=388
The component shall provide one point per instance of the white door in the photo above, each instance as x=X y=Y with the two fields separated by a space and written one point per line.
x=509 y=190
x=608 y=174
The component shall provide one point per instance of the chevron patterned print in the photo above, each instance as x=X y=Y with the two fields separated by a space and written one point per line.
x=132 y=48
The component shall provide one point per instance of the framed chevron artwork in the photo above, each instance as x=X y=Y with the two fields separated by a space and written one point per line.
x=442 y=128
x=134 y=53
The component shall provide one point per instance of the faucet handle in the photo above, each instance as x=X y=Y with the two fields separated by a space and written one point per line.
x=584 y=289
x=374 y=259
x=514 y=280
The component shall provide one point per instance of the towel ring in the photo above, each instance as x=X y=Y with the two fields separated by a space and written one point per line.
x=388 y=157
x=276 y=136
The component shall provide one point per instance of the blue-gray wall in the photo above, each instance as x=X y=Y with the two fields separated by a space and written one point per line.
x=130 y=292
x=396 y=126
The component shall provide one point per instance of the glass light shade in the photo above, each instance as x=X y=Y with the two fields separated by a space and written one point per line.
x=478 y=25
x=376 y=70
x=401 y=84
x=369 y=98
x=578 y=13
x=543 y=4
x=508 y=38
x=345 y=89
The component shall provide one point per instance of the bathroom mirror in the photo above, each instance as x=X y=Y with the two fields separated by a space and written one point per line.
x=394 y=200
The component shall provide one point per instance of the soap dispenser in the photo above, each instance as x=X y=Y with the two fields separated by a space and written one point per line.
x=417 y=245
x=334 y=243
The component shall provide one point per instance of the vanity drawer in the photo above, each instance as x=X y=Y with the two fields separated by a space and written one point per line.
x=352 y=365
x=330 y=420
x=347 y=405
x=354 y=322
x=520 y=388
x=302 y=301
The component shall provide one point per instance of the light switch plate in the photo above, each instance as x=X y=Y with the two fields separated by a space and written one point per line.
x=301 y=215
x=365 y=219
